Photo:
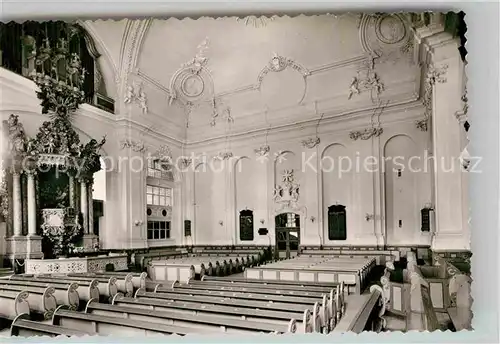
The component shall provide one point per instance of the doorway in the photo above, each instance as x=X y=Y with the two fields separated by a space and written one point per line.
x=287 y=227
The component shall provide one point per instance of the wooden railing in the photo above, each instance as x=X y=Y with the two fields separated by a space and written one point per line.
x=422 y=315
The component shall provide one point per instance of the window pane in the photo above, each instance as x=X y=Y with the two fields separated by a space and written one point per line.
x=168 y=201
x=168 y=192
x=162 y=225
x=156 y=234
x=163 y=191
x=150 y=234
x=162 y=234
x=149 y=199
x=162 y=201
x=168 y=234
x=167 y=225
x=149 y=189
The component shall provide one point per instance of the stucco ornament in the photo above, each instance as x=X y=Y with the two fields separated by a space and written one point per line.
x=192 y=82
x=386 y=35
x=286 y=193
x=135 y=94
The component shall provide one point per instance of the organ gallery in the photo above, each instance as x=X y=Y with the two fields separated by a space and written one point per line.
x=295 y=172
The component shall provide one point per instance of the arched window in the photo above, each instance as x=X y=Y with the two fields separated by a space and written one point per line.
x=31 y=46
x=246 y=225
x=337 y=223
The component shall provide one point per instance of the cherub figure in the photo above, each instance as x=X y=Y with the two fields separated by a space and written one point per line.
x=353 y=87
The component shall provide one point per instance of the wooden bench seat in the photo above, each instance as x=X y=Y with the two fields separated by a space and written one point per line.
x=105 y=325
x=364 y=312
x=40 y=299
x=253 y=288
x=87 y=289
x=239 y=294
x=65 y=294
x=188 y=320
x=13 y=304
x=123 y=282
x=23 y=327
x=138 y=279
x=107 y=286
x=304 y=320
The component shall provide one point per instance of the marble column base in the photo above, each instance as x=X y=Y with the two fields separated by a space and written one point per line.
x=90 y=241
x=23 y=247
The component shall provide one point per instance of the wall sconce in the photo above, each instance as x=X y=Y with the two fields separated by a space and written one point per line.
x=262 y=221
x=312 y=218
x=221 y=223
x=138 y=223
x=369 y=217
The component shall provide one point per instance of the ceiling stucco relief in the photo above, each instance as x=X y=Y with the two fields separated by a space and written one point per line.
x=290 y=88
x=130 y=50
x=387 y=37
x=135 y=94
x=192 y=83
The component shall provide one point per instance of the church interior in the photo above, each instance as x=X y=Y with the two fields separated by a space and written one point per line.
x=304 y=174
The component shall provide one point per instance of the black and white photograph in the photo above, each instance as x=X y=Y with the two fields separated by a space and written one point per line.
x=236 y=175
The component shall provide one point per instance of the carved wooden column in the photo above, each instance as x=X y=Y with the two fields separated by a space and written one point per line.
x=84 y=205
x=17 y=204
x=90 y=208
x=34 y=242
x=31 y=203
x=71 y=191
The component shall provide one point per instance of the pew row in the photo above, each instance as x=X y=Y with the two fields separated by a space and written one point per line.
x=303 y=321
x=41 y=300
x=198 y=321
x=65 y=294
x=138 y=279
x=354 y=278
x=106 y=286
x=366 y=315
x=142 y=260
x=380 y=256
x=23 y=327
x=123 y=282
x=314 y=316
x=87 y=289
x=109 y=325
x=13 y=304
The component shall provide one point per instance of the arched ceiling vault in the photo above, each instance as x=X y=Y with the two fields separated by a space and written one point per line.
x=208 y=72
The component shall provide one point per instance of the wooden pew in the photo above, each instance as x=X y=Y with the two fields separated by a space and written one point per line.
x=40 y=299
x=138 y=279
x=107 y=286
x=13 y=304
x=304 y=320
x=188 y=320
x=318 y=314
x=65 y=294
x=123 y=282
x=142 y=260
x=325 y=310
x=87 y=289
x=105 y=325
x=250 y=288
x=271 y=284
x=367 y=317
x=23 y=327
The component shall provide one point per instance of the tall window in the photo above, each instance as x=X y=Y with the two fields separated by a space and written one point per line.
x=337 y=223
x=157 y=195
x=246 y=225
x=158 y=230
x=157 y=169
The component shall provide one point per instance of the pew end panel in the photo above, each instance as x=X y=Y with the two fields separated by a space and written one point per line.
x=13 y=304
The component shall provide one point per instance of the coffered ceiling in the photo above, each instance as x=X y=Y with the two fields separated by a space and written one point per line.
x=204 y=77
